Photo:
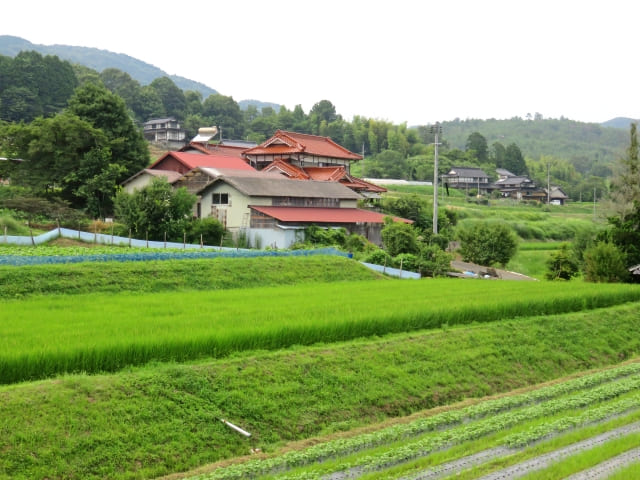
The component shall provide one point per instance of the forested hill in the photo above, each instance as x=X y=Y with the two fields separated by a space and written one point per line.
x=99 y=60
x=560 y=138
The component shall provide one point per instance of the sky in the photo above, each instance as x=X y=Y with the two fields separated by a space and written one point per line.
x=402 y=61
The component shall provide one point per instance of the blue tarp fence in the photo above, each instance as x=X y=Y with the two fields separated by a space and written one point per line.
x=155 y=249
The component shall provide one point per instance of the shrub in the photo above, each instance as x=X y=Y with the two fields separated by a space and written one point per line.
x=487 y=243
x=210 y=228
x=605 y=263
x=13 y=226
x=379 y=257
x=399 y=237
x=562 y=265
x=406 y=261
x=433 y=261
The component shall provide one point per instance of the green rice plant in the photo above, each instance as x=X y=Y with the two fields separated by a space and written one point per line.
x=40 y=337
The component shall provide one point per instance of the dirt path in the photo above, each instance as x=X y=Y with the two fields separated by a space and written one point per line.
x=543 y=461
x=605 y=469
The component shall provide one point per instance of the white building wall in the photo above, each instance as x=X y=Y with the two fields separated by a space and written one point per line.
x=138 y=183
x=274 y=237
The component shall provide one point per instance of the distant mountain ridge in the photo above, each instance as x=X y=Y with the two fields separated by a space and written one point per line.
x=99 y=60
x=620 y=122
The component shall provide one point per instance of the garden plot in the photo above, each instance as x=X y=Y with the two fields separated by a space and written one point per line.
x=525 y=432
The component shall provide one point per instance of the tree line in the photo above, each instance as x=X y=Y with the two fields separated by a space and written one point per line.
x=35 y=88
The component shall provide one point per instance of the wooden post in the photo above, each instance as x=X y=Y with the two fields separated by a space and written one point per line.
x=147 y=238
x=5 y=234
x=165 y=239
x=184 y=240
x=33 y=242
x=201 y=244
x=112 y=234
x=129 y=238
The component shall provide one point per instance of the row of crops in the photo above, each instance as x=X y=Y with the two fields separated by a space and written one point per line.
x=42 y=255
x=46 y=336
x=495 y=433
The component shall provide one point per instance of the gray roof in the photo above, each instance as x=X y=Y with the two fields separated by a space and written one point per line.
x=513 y=181
x=466 y=172
x=263 y=186
x=503 y=172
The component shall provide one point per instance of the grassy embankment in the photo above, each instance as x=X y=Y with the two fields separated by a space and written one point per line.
x=156 y=276
x=165 y=418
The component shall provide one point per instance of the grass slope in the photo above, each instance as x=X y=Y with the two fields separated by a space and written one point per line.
x=156 y=276
x=164 y=418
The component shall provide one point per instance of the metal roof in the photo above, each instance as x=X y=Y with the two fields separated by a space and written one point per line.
x=278 y=186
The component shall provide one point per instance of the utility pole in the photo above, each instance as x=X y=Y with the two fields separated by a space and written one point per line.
x=436 y=130
x=548 y=186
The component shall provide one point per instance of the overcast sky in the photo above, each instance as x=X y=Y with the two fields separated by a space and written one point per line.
x=402 y=61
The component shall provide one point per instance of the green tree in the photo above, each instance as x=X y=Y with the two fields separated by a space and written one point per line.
x=433 y=261
x=54 y=150
x=224 y=112
x=171 y=96
x=562 y=265
x=487 y=243
x=498 y=154
x=156 y=209
x=478 y=144
x=107 y=112
x=399 y=237
x=514 y=161
x=605 y=263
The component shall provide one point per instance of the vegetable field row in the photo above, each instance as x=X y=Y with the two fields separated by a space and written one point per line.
x=505 y=427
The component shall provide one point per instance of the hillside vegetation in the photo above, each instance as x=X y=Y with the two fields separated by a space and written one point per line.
x=583 y=144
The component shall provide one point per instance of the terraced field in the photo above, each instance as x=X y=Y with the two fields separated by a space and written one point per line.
x=586 y=426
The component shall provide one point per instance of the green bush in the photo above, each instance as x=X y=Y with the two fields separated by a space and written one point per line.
x=487 y=243
x=379 y=257
x=406 y=261
x=562 y=265
x=209 y=228
x=434 y=262
x=12 y=226
x=605 y=263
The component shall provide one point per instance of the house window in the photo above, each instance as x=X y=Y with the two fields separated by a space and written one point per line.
x=220 y=199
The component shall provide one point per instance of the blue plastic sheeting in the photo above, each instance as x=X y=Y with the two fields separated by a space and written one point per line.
x=153 y=254
x=394 y=272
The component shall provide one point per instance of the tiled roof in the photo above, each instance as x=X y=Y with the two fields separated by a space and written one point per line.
x=466 y=172
x=284 y=142
x=193 y=160
x=323 y=215
x=288 y=169
x=269 y=185
x=326 y=174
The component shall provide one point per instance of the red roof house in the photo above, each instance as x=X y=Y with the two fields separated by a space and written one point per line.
x=182 y=162
x=300 y=149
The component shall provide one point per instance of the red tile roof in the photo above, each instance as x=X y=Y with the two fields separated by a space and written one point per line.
x=324 y=215
x=288 y=169
x=193 y=160
x=284 y=142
